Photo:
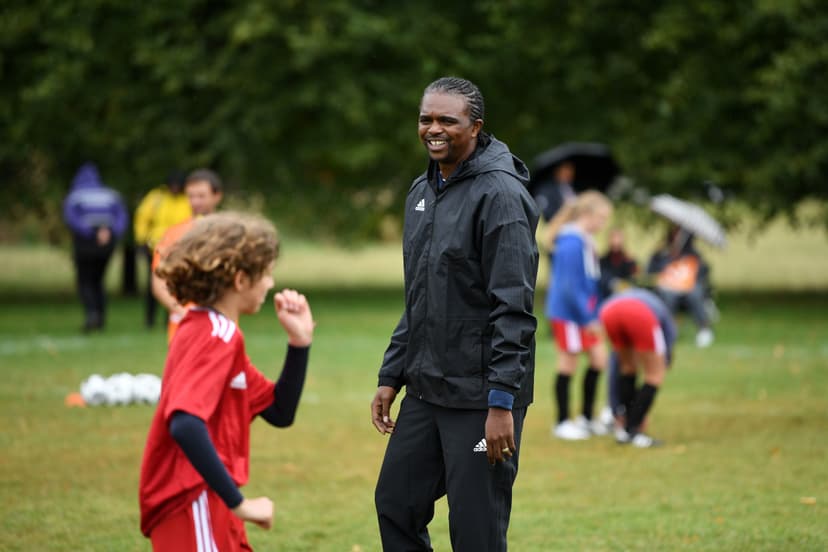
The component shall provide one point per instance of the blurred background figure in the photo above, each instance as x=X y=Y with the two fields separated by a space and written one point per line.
x=558 y=174
x=562 y=190
x=160 y=208
x=640 y=327
x=618 y=268
x=572 y=307
x=97 y=217
x=203 y=191
x=682 y=279
x=618 y=273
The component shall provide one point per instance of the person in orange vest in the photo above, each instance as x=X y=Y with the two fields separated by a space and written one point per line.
x=162 y=207
x=204 y=191
x=682 y=280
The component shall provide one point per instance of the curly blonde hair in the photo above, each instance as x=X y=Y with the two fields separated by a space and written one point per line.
x=203 y=264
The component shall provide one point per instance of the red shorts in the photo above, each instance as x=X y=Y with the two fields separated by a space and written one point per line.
x=206 y=525
x=571 y=337
x=630 y=324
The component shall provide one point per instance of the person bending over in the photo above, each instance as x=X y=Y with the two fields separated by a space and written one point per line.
x=641 y=330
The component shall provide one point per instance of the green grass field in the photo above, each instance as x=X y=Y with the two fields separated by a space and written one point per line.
x=745 y=422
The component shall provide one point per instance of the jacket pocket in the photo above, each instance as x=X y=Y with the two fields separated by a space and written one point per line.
x=464 y=350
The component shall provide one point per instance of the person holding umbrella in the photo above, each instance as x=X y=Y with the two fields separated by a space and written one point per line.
x=681 y=276
x=572 y=307
x=561 y=191
x=570 y=168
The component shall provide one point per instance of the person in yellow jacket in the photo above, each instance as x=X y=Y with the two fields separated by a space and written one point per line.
x=162 y=208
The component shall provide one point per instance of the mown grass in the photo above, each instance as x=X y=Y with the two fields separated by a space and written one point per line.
x=745 y=421
x=745 y=424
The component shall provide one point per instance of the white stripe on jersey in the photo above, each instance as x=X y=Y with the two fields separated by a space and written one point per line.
x=197 y=526
x=203 y=528
x=205 y=509
x=573 y=337
x=222 y=327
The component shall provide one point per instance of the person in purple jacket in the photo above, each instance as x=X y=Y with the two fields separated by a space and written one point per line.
x=572 y=307
x=97 y=217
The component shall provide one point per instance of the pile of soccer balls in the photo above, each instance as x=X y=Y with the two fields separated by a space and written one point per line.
x=120 y=389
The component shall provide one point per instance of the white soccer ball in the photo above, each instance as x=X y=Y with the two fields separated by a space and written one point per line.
x=94 y=390
x=119 y=389
x=146 y=388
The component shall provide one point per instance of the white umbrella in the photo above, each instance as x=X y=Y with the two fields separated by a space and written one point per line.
x=690 y=217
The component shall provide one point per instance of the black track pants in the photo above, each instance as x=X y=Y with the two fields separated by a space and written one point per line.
x=436 y=451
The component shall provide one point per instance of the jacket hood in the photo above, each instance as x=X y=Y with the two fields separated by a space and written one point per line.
x=87 y=177
x=490 y=155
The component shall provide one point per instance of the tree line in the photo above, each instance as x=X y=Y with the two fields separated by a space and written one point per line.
x=312 y=105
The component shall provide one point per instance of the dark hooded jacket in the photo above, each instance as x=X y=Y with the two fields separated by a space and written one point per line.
x=91 y=205
x=470 y=262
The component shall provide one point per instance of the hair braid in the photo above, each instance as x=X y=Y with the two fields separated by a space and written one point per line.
x=460 y=87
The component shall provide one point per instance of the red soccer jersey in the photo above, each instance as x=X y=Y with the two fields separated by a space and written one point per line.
x=208 y=375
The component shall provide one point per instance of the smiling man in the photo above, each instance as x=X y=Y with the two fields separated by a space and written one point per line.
x=464 y=347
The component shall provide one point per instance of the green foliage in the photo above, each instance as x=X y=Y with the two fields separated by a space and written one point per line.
x=313 y=103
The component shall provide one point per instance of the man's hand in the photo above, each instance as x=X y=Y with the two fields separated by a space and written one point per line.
x=500 y=435
x=381 y=409
x=257 y=510
x=295 y=316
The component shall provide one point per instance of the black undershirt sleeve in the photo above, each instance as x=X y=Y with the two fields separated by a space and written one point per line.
x=190 y=432
x=288 y=390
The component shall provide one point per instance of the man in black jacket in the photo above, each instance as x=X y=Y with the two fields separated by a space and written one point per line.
x=464 y=347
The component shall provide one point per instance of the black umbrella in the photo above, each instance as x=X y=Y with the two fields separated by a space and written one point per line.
x=595 y=169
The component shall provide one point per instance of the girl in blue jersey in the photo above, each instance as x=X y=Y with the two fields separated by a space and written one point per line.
x=572 y=306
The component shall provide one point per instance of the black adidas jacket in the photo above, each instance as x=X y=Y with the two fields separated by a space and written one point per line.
x=470 y=262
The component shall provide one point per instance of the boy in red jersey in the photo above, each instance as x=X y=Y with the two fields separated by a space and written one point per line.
x=197 y=451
